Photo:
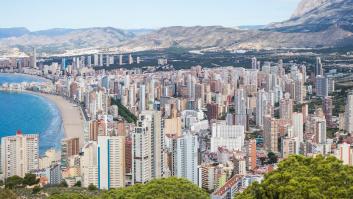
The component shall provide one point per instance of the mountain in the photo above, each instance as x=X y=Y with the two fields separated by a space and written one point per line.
x=314 y=24
x=13 y=32
x=62 y=39
x=318 y=15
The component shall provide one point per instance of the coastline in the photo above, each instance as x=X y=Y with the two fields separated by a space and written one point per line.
x=72 y=118
x=71 y=114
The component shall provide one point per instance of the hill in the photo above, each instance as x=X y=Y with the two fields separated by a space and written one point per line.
x=303 y=177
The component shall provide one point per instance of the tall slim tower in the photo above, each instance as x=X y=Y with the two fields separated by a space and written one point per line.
x=34 y=59
x=142 y=96
x=186 y=157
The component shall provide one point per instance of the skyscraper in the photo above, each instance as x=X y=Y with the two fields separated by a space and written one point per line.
x=142 y=96
x=148 y=147
x=111 y=162
x=19 y=154
x=318 y=67
x=321 y=86
x=89 y=164
x=348 y=114
x=186 y=157
x=34 y=58
x=270 y=134
x=240 y=115
x=297 y=122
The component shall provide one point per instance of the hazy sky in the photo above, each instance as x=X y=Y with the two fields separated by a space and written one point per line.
x=44 y=14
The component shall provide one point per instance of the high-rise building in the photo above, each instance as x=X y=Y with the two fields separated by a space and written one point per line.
x=321 y=86
x=345 y=153
x=19 y=154
x=131 y=59
x=89 y=164
x=186 y=157
x=148 y=147
x=348 y=114
x=111 y=162
x=262 y=102
x=286 y=108
x=95 y=59
x=254 y=63
x=289 y=147
x=69 y=147
x=318 y=67
x=120 y=60
x=251 y=154
x=63 y=64
x=34 y=58
x=321 y=131
x=142 y=96
x=228 y=136
x=297 y=123
x=240 y=114
x=270 y=134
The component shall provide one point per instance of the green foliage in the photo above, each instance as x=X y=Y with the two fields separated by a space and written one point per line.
x=124 y=112
x=303 y=177
x=36 y=189
x=92 y=187
x=69 y=195
x=78 y=184
x=165 y=188
x=13 y=182
x=63 y=184
x=30 y=179
x=8 y=194
x=272 y=158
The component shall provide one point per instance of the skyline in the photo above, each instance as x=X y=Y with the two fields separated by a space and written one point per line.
x=135 y=15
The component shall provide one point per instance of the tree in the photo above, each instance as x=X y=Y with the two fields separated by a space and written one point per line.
x=171 y=188
x=70 y=196
x=92 y=187
x=63 y=183
x=8 y=194
x=304 y=177
x=272 y=158
x=30 y=179
x=13 y=182
x=36 y=189
x=78 y=184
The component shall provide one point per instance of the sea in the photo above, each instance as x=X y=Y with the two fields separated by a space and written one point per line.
x=30 y=113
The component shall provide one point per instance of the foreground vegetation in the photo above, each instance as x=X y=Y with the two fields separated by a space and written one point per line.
x=165 y=188
x=303 y=177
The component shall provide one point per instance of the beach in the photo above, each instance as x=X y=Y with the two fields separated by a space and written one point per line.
x=71 y=116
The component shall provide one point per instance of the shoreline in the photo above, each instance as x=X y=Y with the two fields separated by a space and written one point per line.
x=71 y=115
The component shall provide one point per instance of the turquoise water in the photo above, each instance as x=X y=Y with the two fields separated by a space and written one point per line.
x=29 y=113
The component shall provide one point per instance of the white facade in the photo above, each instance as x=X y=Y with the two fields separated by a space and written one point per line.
x=297 y=121
x=348 y=114
x=111 y=162
x=186 y=162
x=229 y=136
x=19 y=154
x=89 y=164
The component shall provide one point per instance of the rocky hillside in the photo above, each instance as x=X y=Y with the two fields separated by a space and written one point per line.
x=60 y=39
x=315 y=23
x=318 y=15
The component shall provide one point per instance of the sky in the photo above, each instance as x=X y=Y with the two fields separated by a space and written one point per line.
x=132 y=14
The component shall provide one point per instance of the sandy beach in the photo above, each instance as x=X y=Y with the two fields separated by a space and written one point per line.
x=71 y=115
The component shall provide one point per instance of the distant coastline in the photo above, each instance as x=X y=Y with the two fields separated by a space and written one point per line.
x=69 y=115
